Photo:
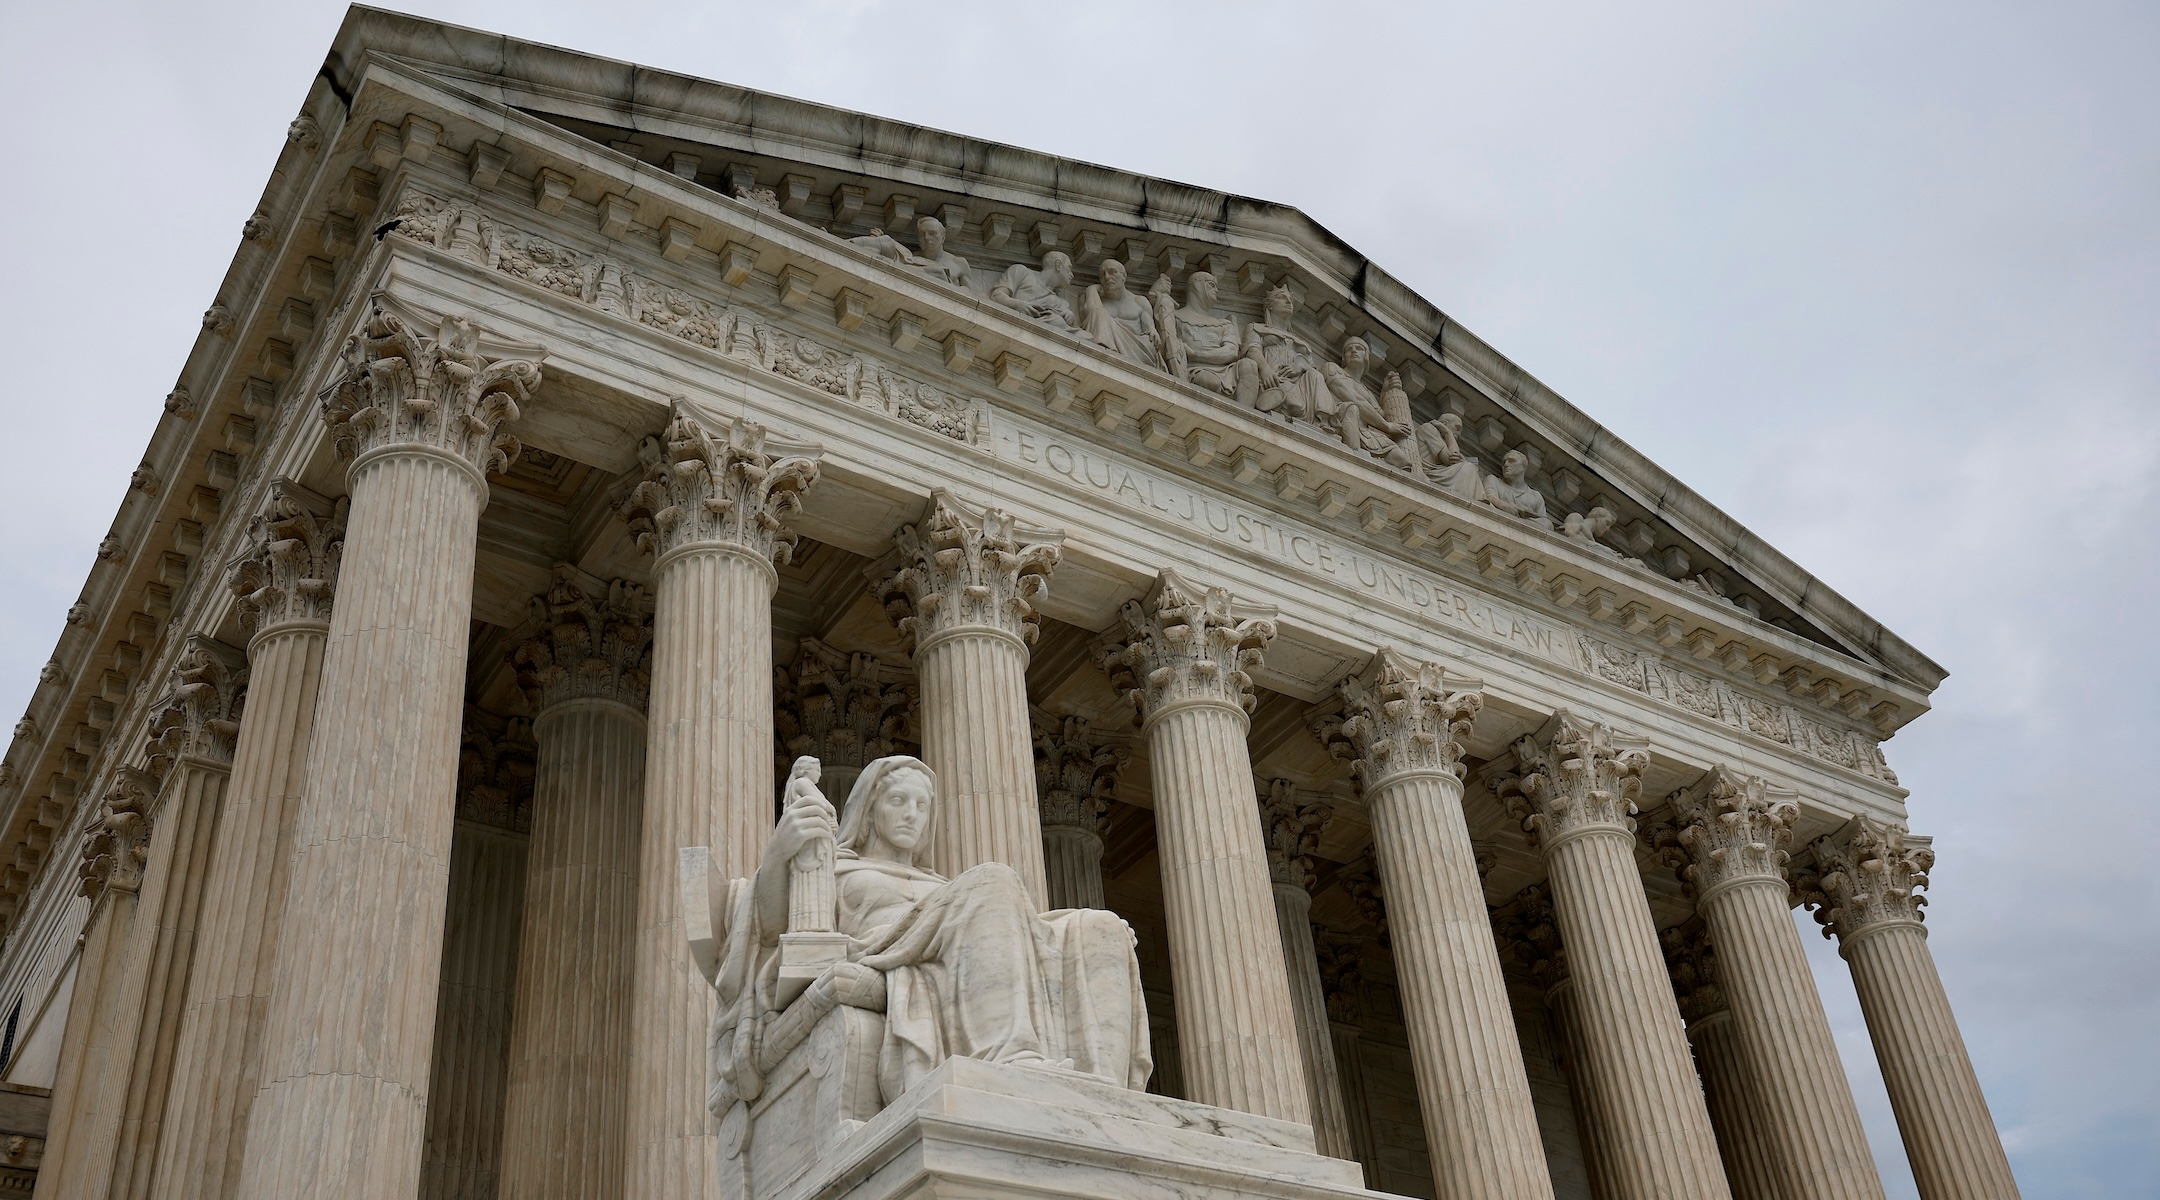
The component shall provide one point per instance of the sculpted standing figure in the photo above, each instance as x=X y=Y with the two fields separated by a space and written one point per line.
x=1378 y=425
x=1440 y=450
x=1289 y=379
x=1208 y=350
x=1511 y=493
x=960 y=967
x=1038 y=294
x=1117 y=320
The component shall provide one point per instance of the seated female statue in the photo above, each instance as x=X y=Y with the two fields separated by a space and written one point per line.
x=963 y=967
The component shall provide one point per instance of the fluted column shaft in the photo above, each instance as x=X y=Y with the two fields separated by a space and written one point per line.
x=1357 y=1111
x=1728 y=1090
x=86 y=1044
x=976 y=739
x=466 y=1080
x=216 y=1066
x=1942 y=1115
x=341 y=1110
x=1237 y=1027
x=1323 y=1085
x=1072 y=865
x=1480 y=1119
x=569 y=1055
x=1591 y=1122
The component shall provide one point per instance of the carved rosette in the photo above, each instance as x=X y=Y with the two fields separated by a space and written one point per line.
x=290 y=571
x=202 y=719
x=1865 y=877
x=117 y=847
x=1342 y=975
x=844 y=710
x=1292 y=825
x=1731 y=827
x=1692 y=962
x=1076 y=772
x=1584 y=777
x=1403 y=718
x=966 y=568
x=1529 y=936
x=585 y=643
x=497 y=760
x=401 y=388
x=1188 y=645
x=735 y=489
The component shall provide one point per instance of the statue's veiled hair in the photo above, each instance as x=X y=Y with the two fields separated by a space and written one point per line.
x=855 y=824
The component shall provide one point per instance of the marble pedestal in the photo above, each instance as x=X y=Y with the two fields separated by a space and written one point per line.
x=975 y=1129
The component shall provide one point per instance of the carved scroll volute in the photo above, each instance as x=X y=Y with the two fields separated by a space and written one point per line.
x=1077 y=773
x=1292 y=823
x=1732 y=827
x=202 y=719
x=735 y=488
x=1584 y=776
x=400 y=387
x=117 y=845
x=1865 y=876
x=1188 y=645
x=290 y=571
x=966 y=568
x=584 y=640
x=1401 y=717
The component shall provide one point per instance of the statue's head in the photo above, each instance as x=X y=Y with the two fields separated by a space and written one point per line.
x=1281 y=303
x=1058 y=266
x=1356 y=356
x=1200 y=290
x=930 y=235
x=1113 y=276
x=1513 y=467
x=891 y=810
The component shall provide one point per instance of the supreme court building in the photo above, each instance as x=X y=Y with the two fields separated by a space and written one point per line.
x=571 y=447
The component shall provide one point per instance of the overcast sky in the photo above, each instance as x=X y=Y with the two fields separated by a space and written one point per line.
x=1877 y=279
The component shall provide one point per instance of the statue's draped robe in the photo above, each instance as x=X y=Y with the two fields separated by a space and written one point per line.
x=970 y=970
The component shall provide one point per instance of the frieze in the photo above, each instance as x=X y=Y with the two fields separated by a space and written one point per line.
x=475 y=236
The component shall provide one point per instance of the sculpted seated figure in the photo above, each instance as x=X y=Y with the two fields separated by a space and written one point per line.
x=1201 y=345
x=931 y=257
x=1441 y=454
x=1119 y=321
x=1511 y=493
x=1291 y=384
x=960 y=967
x=1378 y=425
x=1038 y=294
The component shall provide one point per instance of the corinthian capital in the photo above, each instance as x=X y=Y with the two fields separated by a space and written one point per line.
x=962 y=567
x=290 y=571
x=731 y=487
x=1583 y=776
x=1402 y=717
x=118 y=843
x=1731 y=827
x=497 y=760
x=1292 y=825
x=202 y=719
x=448 y=393
x=1342 y=975
x=1692 y=962
x=1528 y=935
x=1188 y=645
x=844 y=710
x=1076 y=770
x=1865 y=875
x=585 y=641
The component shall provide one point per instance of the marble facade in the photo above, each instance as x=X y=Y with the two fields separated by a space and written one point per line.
x=1293 y=752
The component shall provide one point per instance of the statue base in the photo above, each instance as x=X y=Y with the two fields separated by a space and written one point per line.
x=804 y=957
x=973 y=1129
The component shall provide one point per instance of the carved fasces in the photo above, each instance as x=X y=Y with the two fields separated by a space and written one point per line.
x=584 y=641
x=1692 y=962
x=1402 y=717
x=202 y=718
x=842 y=709
x=734 y=489
x=1730 y=827
x=117 y=846
x=400 y=387
x=1583 y=776
x=1076 y=771
x=961 y=567
x=1188 y=644
x=1292 y=824
x=290 y=571
x=1865 y=875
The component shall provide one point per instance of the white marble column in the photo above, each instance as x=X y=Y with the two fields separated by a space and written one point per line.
x=1868 y=893
x=1401 y=720
x=1577 y=795
x=1292 y=825
x=961 y=586
x=585 y=670
x=1734 y=833
x=1077 y=771
x=285 y=586
x=712 y=510
x=845 y=710
x=1728 y=1088
x=1342 y=982
x=1183 y=664
x=341 y=1108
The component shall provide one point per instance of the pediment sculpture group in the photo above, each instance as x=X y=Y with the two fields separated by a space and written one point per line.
x=1264 y=365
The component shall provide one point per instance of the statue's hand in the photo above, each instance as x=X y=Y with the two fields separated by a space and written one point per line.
x=856 y=986
x=807 y=820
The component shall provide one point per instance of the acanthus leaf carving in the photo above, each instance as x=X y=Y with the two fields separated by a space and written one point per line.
x=1864 y=876
x=1692 y=962
x=1583 y=776
x=1292 y=824
x=1402 y=717
x=1528 y=935
x=117 y=846
x=583 y=642
x=203 y=719
x=845 y=710
x=961 y=567
x=402 y=388
x=290 y=571
x=1188 y=644
x=734 y=489
x=1731 y=827
x=1342 y=975
x=1076 y=770
x=497 y=761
